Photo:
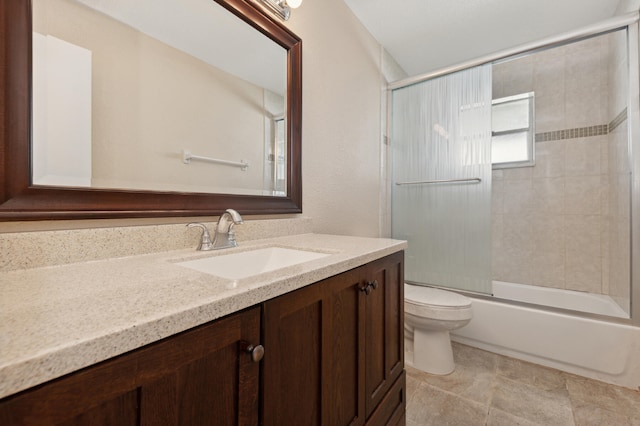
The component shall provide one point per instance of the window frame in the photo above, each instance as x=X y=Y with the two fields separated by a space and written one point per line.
x=530 y=161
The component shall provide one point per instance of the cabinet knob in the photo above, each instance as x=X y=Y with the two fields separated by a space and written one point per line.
x=371 y=285
x=256 y=352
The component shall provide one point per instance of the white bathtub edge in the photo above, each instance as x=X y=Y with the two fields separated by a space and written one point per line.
x=590 y=348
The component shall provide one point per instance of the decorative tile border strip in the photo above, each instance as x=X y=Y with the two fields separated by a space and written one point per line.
x=618 y=120
x=583 y=132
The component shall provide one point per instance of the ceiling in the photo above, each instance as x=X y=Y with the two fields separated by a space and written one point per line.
x=427 y=35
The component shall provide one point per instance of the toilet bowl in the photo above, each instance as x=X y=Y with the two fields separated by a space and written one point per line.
x=429 y=315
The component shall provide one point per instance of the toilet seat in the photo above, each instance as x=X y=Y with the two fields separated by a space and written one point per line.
x=429 y=296
x=436 y=304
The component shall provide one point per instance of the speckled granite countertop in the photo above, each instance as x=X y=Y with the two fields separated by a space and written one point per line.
x=56 y=320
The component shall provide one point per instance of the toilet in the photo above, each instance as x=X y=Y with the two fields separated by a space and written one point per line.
x=429 y=315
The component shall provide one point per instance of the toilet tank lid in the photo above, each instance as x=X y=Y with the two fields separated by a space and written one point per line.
x=424 y=295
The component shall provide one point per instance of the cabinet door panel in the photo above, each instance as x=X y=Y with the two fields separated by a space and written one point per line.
x=122 y=410
x=384 y=326
x=292 y=363
x=391 y=409
x=192 y=378
x=104 y=390
x=313 y=372
x=343 y=357
x=208 y=389
x=394 y=314
x=195 y=378
x=159 y=401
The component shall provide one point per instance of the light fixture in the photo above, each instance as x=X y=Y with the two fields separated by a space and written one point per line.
x=294 y=4
x=282 y=8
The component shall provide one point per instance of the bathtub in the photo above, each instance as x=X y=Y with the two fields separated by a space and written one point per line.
x=594 y=348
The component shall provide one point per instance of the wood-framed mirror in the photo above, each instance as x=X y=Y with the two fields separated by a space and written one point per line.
x=20 y=199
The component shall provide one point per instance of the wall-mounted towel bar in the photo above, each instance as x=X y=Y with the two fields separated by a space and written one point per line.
x=187 y=157
x=421 y=182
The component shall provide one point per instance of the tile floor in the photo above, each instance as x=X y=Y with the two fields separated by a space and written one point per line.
x=490 y=389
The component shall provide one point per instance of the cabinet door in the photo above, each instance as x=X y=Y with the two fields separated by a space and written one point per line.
x=204 y=377
x=198 y=377
x=313 y=372
x=384 y=327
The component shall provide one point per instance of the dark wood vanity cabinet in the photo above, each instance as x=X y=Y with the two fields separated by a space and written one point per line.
x=335 y=350
x=333 y=356
x=200 y=377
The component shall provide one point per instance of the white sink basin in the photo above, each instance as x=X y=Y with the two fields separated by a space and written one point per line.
x=247 y=263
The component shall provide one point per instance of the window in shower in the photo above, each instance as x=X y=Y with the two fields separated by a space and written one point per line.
x=512 y=142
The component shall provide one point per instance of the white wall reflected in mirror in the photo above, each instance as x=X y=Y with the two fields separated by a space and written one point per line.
x=62 y=105
x=159 y=84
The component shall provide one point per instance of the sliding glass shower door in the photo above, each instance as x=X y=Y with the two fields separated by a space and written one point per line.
x=441 y=179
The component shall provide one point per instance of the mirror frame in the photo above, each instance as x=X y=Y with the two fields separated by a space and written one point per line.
x=20 y=200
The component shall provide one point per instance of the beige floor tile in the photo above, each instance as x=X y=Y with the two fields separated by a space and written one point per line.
x=595 y=416
x=495 y=390
x=531 y=374
x=413 y=384
x=590 y=393
x=472 y=378
x=501 y=418
x=633 y=398
x=548 y=407
x=473 y=357
x=431 y=406
x=466 y=382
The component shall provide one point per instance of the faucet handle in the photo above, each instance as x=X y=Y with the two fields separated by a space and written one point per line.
x=205 y=241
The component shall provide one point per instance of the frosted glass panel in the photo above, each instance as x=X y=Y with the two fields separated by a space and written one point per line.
x=441 y=129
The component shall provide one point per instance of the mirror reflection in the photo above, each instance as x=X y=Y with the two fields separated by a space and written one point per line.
x=184 y=98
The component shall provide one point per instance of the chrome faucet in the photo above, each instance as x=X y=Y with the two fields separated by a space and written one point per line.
x=225 y=235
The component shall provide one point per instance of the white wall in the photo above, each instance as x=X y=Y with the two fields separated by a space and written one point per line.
x=627 y=6
x=341 y=123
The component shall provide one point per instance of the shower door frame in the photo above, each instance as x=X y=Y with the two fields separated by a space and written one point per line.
x=628 y=22
x=633 y=117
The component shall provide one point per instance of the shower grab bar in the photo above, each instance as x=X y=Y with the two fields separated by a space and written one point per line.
x=187 y=157
x=419 y=182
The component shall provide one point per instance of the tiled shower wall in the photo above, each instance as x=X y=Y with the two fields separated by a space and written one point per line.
x=552 y=223
x=619 y=231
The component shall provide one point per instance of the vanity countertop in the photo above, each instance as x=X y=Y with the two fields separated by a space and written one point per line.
x=59 y=319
